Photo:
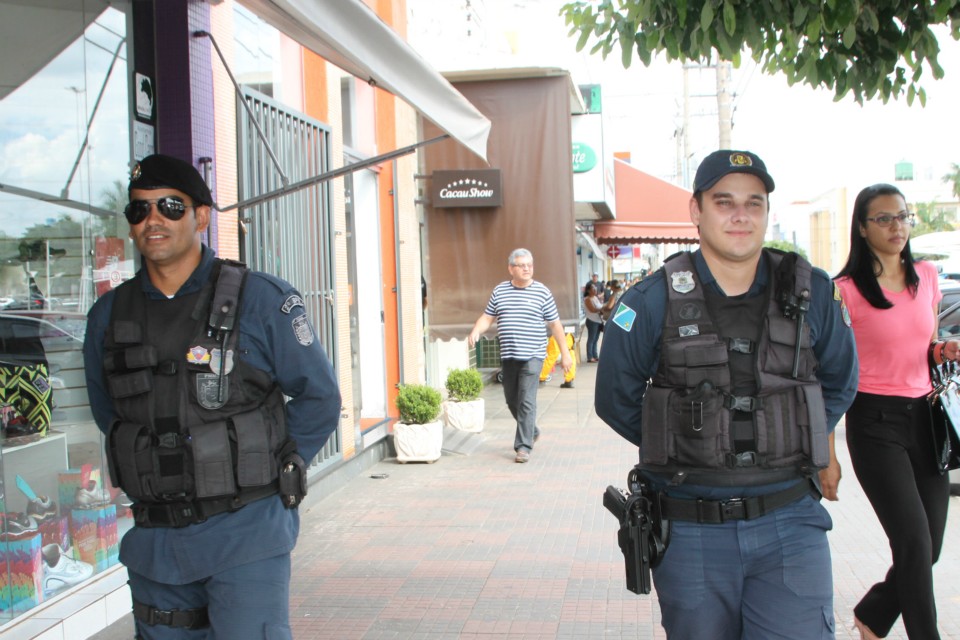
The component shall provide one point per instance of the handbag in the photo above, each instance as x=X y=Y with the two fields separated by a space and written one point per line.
x=944 y=404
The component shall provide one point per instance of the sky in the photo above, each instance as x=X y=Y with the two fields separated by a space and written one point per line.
x=810 y=143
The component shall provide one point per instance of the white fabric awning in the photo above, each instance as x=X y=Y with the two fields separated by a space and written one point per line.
x=350 y=35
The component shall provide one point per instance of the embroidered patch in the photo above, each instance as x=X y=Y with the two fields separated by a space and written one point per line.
x=845 y=314
x=303 y=330
x=682 y=281
x=836 y=293
x=624 y=317
x=690 y=311
x=198 y=355
x=689 y=330
x=208 y=390
x=290 y=303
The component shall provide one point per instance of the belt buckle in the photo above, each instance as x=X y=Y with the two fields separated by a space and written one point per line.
x=159 y=616
x=733 y=509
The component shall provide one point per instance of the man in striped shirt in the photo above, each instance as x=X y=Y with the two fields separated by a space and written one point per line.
x=521 y=306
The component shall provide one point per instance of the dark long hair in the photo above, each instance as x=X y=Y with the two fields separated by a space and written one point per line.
x=862 y=265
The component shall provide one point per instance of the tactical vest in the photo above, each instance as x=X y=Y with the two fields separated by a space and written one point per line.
x=735 y=400
x=196 y=426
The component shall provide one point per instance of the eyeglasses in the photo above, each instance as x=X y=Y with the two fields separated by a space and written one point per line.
x=170 y=207
x=886 y=219
x=527 y=265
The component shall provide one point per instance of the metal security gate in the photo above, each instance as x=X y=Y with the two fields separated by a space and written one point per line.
x=291 y=236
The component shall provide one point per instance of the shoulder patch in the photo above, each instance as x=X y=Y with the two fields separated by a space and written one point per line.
x=302 y=330
x=836 y=293
x=624 y=317
x=291 y=302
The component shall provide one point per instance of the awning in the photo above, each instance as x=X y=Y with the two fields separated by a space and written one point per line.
x=350 y=35
x=649 y=210
x=34 y=33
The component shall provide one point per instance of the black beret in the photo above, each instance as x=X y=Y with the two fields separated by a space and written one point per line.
x=166 y=172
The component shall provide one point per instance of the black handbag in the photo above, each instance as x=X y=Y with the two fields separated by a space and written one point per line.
x=944 y=403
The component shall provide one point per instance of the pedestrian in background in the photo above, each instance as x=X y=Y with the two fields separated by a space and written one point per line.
x=592 y=306
x=700 y=370
x=187 y=365
x=521 y=306
x=553 y=354
x=892 y=302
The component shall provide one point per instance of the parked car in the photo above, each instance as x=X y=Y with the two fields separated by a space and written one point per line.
x=950 y=328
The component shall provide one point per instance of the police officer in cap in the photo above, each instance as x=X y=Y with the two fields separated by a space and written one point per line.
x=729 y=368
x=187 y=366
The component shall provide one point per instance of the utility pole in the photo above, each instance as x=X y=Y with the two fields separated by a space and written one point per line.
x=724 y=105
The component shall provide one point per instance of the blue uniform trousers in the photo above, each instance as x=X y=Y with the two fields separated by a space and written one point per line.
x=763 y=579
x=248 y=602
x=521 y=379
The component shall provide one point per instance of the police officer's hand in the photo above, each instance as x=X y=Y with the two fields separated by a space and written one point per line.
x=830 y=477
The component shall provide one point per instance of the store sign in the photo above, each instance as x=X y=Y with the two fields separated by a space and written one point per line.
x=143 y=90
x=466 y=188
x=584 y=157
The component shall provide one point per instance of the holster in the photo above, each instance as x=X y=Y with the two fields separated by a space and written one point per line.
x=293 y=480
x=639 y=536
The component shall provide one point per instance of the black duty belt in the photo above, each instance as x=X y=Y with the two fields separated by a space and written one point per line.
x=180 y=514
x=719 y=511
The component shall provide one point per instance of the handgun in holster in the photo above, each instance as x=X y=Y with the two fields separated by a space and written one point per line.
x=640 y=535
x=293 y=478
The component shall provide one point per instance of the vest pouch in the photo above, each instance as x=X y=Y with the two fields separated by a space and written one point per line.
x=814 y=424
x=212 y=460
x=701 y=427
x=130 y=459
x=127 y=385
x=256 y=463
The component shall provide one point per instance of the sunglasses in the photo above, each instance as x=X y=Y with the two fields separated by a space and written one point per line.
x=170 y=207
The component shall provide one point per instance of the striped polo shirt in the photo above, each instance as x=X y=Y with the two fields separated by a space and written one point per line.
x=520 y=315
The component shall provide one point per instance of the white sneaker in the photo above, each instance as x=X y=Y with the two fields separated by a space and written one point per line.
x=59 y=571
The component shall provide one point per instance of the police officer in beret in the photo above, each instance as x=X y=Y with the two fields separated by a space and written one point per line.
x=187 y=366
x=729 y=368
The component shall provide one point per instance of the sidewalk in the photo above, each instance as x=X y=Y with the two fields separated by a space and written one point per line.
x=478 y=546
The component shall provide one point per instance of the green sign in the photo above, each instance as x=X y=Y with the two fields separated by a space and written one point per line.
x=584 y=157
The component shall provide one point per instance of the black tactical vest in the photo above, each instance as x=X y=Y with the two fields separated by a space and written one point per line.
x=195 y=424
x=734 y=402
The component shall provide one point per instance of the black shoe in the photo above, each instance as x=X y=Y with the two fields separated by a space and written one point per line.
x=567 y=385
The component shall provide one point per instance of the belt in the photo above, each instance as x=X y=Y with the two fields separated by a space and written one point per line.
x=719 y=511
x=183 y=618
x=181 y=514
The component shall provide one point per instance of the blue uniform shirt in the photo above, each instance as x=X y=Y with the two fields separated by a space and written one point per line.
x=631 y=353
x=268 y=340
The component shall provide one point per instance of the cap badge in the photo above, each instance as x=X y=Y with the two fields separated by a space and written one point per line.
x=682 y=281
x=740 y=160
x=135 y=173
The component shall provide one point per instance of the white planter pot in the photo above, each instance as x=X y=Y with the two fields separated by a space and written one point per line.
x=418 y=442
x=465 y=416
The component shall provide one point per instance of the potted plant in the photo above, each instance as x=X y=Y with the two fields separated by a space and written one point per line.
x=418 y=437
x=464 y=408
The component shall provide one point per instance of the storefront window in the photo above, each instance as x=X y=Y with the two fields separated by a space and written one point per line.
x=64 y=157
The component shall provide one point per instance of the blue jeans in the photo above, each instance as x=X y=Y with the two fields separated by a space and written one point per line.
x=521 y=378
x=763 y=579
x=249 y=602
x=593 y=337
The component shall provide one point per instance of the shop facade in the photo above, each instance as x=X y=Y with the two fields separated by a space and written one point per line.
x=241 y=90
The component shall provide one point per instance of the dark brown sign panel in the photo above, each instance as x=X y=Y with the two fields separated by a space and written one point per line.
x=466 y=188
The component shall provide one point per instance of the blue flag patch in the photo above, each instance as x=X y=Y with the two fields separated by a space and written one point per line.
x=624 y=317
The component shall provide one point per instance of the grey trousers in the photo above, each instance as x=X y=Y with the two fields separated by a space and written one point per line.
x=521 y=379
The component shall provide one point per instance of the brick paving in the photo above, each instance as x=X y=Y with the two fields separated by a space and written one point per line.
x=479 y=547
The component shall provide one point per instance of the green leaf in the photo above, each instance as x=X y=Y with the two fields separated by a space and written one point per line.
x=850 y=36
x=813 y=29
x=799 y=15
x=706 y=16
x=729 y=18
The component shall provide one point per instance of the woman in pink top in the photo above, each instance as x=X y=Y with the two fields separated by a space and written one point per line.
x=892 y=302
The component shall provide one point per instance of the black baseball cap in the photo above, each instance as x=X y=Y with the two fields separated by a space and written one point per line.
x=166 y=172
x=726 y=161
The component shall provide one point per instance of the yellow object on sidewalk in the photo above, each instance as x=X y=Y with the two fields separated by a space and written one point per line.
x=553 y=354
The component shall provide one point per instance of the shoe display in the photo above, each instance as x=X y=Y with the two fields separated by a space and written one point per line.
x=567 y=385
x=90 y=496
x=40 y=508
x=17 y=525
x=522 y=456
x=59 y=571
